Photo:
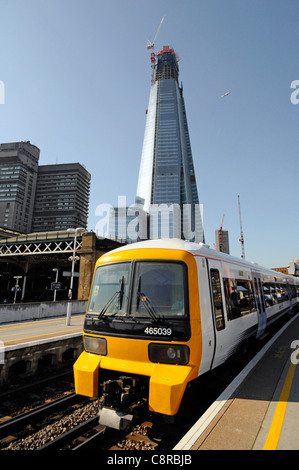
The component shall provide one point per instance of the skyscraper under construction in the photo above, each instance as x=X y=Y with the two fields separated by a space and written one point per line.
x=166 y=188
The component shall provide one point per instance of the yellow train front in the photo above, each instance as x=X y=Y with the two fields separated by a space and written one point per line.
x=142 y=337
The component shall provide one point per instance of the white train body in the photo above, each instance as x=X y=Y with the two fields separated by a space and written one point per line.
x=164 y=312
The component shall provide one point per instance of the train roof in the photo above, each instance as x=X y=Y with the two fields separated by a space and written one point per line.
x=200 y=249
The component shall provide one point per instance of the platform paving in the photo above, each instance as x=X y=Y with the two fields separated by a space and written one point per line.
x=255 y=412
x=29 y=333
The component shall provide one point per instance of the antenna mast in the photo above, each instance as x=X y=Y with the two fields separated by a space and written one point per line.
x=241 y=230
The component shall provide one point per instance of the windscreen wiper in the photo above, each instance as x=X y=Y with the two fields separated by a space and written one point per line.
x=119 y=293
x=147 y=303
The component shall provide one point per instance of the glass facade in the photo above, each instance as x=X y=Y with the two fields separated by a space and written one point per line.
x=166 y=175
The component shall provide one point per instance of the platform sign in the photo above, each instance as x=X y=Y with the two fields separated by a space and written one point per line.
x=68 y=274
x=55 y=285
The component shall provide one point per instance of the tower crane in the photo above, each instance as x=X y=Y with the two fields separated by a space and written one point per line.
x=151 y=46
x=241 y=230
x=220 y=234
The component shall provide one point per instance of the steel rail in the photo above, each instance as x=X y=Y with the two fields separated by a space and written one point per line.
x=15 y=424
x=70 y=435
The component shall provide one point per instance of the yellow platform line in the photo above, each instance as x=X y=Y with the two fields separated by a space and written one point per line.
x=276 y=425
x=35 y=323
x=44 y=334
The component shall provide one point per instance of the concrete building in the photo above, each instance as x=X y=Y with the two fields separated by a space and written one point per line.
x=222 y=241
x=61 y=198
x=40 y=198
x=293 y=268
x=18 y=177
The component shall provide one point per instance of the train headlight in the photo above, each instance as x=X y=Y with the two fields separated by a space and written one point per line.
x=95 y=345
x=168 y=354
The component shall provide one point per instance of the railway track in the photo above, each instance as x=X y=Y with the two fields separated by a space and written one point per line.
x=33 y=429
x=17 y=400
x=91 y=435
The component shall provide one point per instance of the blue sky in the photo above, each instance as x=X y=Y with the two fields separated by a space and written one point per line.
x=77 y=81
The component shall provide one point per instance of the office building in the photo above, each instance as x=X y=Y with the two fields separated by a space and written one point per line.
x=222 y=241
x=293 y=268
x=61 y=198
x=38 y=198
x=18 y=177
x=166 y=181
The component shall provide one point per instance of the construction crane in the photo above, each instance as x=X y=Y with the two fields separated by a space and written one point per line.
x=220 y=235
x=241 y=230
x=151 y=45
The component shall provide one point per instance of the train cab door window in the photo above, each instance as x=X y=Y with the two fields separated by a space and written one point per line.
x=217 y=299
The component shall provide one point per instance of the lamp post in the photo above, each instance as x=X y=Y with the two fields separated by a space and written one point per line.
x=56 y=279
x=16 y=287
x=73 y=259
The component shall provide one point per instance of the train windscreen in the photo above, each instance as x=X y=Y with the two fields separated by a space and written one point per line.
x=157 y=289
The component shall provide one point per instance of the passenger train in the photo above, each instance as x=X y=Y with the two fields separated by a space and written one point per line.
x=163 y=312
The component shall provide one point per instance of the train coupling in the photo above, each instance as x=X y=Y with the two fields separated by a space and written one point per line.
x=115 y=419
x=119 y=398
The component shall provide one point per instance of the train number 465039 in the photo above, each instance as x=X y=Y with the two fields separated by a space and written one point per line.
x=159 y=331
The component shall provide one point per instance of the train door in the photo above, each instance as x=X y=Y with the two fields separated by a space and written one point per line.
x=217 y=305
x=260 y=304
x=288 y=296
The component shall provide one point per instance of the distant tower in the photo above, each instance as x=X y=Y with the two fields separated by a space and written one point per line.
x=166 y=179
x=222 y=241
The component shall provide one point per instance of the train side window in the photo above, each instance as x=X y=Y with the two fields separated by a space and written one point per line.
x=217 y=299
x=279 y=293
x=269 y=294
x=293 y=291
x=245 y=296
x=231 y=303
x=239 y=297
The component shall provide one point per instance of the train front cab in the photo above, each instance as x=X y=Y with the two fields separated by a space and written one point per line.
x=163 y=347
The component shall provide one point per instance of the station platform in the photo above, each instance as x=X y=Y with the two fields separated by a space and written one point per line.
x=27 y=348
x=259 y=410
x=30 y=333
